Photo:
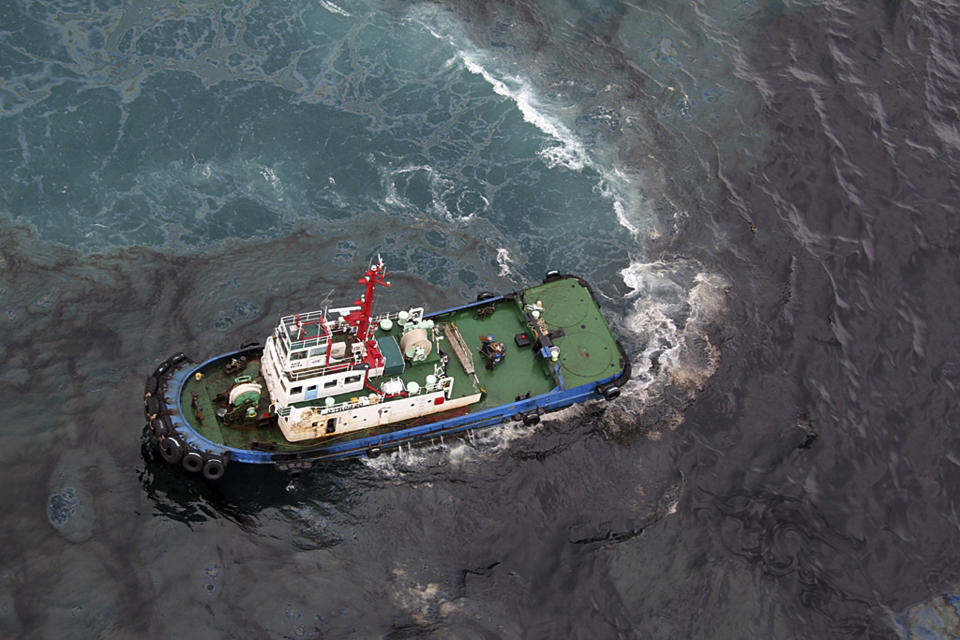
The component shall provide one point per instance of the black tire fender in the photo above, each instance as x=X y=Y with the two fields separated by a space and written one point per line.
x=611 y=393
x=551 y=275
x=192 y=461
x=158 y=427
x=176 y=358
x=373 y=452
x=214 y=468
x=485 y=295
x=151 y=407
x=171 y=449
x=531 y=419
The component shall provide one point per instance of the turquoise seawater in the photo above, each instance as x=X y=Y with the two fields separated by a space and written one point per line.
x=762 y=194
x=182 y=125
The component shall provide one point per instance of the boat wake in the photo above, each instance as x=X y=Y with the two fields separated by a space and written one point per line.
x=476 y=447
x=675 y=327
x=674 y=306
x=450 y=452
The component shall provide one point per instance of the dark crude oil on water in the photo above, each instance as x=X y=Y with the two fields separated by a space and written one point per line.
x=763 y=194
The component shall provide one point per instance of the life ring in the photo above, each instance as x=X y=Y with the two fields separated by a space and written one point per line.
x=213 y=469
x=192 y=461
x=171 y=449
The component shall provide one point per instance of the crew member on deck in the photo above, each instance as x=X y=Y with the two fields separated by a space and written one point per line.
x=492 y=351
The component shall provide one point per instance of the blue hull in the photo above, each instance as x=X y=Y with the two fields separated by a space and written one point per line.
x=165 y=417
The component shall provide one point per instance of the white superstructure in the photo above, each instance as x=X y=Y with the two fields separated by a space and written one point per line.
x=327 y=372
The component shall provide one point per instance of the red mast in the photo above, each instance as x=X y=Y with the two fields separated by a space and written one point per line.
x=361 y=317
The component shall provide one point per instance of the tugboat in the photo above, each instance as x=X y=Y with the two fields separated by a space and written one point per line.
x=340 y=382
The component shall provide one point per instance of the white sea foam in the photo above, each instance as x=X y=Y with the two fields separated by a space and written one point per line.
x=504 y=261
x=270 y=176
x=457 y=450
x=628 y=203
x=629 y=206
x=568 y=151
x=672 y=313
x=332 y=8
x=442 y=188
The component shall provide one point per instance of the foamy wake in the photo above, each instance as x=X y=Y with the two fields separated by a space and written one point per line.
x=448 y=199
x=567 y=150
x=332 y=8
x=570 y=152
x=463 y=449
x=671 y=330
x=504 y=261
x=674 y=320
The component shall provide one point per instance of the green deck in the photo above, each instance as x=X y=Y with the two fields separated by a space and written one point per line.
x=588 y=353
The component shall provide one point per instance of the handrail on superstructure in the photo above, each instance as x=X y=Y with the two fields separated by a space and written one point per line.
x=302 y=374
x=296 y=322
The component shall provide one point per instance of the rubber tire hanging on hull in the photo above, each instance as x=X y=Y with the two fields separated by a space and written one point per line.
x=551 y=275
x=158 y=427
x=192 y=461
x=213 y=469
x=531 y=419
x=610 y=393
x=485 y=295
x=175 y=359
x=151 y=407
x=171 y=449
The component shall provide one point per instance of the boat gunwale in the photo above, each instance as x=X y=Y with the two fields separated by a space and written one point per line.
x=554 y=399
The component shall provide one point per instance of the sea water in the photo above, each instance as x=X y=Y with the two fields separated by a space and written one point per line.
x=761 y=194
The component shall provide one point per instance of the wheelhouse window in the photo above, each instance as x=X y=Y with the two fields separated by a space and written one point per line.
x=330 y=384
x=298 y=355
x=351 y=379
x=294 y=391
